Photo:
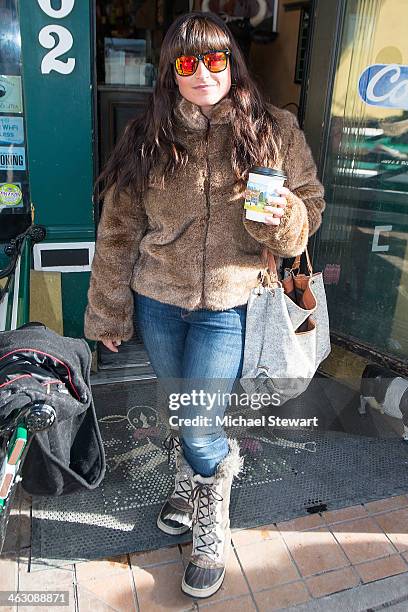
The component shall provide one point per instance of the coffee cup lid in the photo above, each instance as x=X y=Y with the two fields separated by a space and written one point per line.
x=267 y=171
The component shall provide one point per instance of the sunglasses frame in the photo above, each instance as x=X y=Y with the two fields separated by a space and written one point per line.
x=200 y=56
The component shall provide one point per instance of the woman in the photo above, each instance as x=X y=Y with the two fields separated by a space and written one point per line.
x=173 y=244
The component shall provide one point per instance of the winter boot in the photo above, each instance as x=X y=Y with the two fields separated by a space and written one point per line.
x=205 y=571
x=175 y=516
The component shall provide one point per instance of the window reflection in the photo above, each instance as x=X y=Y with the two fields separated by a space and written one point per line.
x=14 y=187
x=363 y=248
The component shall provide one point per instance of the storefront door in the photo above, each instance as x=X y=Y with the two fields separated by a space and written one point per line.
x=363 y=151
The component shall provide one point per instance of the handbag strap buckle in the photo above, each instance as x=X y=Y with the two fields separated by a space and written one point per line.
x=268 y=280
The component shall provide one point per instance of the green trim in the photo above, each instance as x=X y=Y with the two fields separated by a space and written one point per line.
x=9 y=305
x=77 y=284
x=23 y=313
x=23 y=298
x=70 y=234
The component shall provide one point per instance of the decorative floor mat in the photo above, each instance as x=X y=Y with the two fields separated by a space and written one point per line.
x=287 y=473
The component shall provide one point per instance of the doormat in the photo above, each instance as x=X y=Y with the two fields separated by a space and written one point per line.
x=287 y=473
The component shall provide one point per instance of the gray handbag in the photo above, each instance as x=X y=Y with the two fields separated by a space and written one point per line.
x=287 y=330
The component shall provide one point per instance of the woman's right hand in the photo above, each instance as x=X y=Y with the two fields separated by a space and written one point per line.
x=112 y=344
x=276 y=206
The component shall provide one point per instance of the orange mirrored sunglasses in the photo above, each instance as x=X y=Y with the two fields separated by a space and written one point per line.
x=214 y=61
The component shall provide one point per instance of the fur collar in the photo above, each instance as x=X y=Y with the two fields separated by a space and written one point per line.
x=189 y=115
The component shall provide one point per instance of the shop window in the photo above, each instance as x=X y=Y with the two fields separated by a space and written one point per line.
x=14 y=189
x=363 y=248
x=129 y=36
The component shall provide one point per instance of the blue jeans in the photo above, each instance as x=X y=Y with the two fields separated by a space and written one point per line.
x=188 y=345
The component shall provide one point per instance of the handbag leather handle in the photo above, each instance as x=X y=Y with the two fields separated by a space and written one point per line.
x=296 y=263
x=269 y=262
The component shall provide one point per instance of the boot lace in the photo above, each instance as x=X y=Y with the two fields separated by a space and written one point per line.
x=183 y=489
x=204 y=516
x=183 y=485
x=170 y=443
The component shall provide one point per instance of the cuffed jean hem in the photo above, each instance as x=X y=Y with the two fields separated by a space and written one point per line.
x=202 y=455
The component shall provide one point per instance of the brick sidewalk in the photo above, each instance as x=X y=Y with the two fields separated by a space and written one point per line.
x=270 y=568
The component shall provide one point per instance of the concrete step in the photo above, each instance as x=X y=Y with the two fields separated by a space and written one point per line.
x=130 y=354
x=122 y=374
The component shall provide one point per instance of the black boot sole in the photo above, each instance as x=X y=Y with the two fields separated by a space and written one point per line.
x=202 y=593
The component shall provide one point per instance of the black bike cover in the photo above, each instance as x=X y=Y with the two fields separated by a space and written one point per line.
x=38 y=365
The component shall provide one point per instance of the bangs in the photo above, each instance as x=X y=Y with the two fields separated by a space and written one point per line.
x=198 y=36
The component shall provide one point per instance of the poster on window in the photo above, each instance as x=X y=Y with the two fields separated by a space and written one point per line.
x=11 y=130
x=11 y=100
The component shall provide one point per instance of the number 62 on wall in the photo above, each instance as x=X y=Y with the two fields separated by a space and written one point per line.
x=63 y=43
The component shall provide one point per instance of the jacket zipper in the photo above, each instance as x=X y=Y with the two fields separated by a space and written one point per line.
x=207 y=197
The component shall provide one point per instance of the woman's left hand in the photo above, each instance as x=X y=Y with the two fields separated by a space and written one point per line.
x=276 y=205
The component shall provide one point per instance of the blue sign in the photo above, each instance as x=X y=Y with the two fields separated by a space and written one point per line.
x=385 y=85
x=11 y=130
x=12 y=158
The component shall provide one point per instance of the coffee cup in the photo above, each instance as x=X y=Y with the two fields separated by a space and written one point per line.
x=262 y=182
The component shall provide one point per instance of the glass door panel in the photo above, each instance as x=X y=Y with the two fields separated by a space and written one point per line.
x=362 y=244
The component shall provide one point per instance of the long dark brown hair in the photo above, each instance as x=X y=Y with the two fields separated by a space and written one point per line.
x=146 y=139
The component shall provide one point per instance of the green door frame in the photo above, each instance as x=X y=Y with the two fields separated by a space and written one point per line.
x=58 y=54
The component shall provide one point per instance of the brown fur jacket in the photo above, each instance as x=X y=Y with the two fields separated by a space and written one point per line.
x=190 y=245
